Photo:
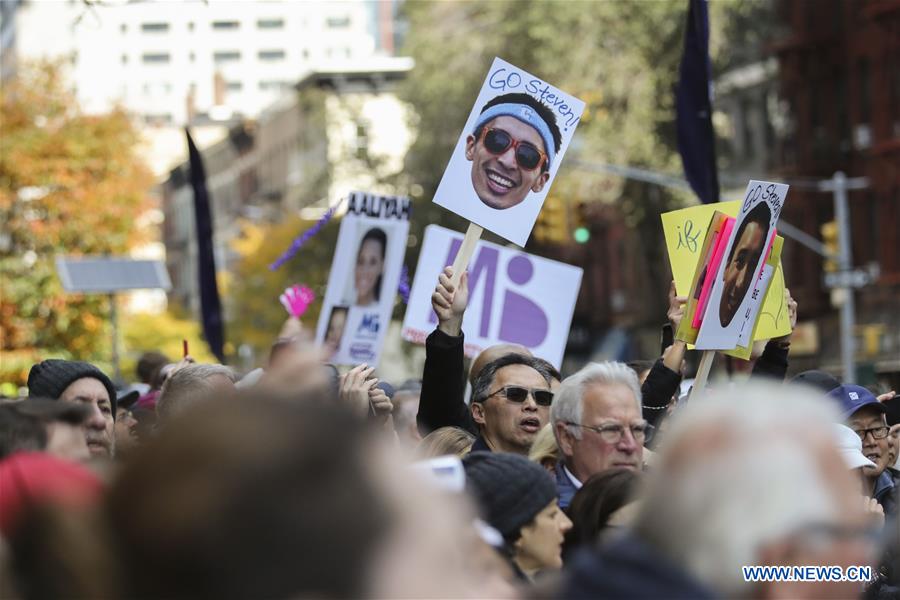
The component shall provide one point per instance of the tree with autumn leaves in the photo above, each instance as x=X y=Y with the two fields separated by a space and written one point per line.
x=70 y=184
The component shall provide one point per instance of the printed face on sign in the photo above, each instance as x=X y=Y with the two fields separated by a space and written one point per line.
x=369 y=271
x=738 y=289
x=741 y=266
x=363 y=280
x=509 y=151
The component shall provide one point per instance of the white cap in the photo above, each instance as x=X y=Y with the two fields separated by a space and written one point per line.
x=850 y=447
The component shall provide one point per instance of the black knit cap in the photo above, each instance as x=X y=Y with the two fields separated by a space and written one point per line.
x=510 y=489
x=50 y=378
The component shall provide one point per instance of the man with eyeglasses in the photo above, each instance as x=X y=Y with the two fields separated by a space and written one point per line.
x=598 y=424
x=511 y=149
x=864 y=414
x=511 y=401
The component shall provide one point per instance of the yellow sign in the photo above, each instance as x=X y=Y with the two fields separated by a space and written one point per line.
x=685 y=232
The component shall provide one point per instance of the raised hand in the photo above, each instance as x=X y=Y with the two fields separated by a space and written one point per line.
x=449 y=301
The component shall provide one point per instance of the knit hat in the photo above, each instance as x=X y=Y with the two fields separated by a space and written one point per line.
x=50 y=378
x=510 y=489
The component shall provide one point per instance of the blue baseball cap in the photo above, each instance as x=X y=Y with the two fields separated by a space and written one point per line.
x=854 y=397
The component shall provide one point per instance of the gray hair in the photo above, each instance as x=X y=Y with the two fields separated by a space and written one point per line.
x=185 y=386
x=568 y=403
x=710 y=507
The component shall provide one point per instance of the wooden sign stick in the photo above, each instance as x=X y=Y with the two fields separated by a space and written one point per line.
x=706 y=361
x=466 y=250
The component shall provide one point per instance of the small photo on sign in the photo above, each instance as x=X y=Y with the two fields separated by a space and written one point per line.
x=734 y=301
x=362 y=284
x=509 y=152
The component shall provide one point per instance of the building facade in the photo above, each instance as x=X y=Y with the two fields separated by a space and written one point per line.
x=340 y=130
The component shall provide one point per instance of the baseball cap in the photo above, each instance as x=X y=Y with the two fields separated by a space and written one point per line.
x=819 y=380
x=855 y=397
x=850 y=447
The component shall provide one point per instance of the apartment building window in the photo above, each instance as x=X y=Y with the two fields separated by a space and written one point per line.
x=155 y=58
x=190 y=25
x=234 y=86
x=124 y=59
x=271 y=55
x=226 y=56
x=337 y=22
x=226 y=25
x=154 y=27
x=273 y=84
x=270 y=24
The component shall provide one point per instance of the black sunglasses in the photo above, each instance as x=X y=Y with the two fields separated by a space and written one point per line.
x=517 y=394
x=497 y=141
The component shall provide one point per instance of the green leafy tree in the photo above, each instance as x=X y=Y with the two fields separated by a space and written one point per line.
x=621 y=58
x=70 y=184
x=255 y=316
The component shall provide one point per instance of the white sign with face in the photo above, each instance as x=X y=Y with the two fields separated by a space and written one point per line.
x=739 y=287
x=362 y=284
x=509 y=152
x=514 y=297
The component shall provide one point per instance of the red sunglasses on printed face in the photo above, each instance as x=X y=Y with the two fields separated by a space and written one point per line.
x=497 y=141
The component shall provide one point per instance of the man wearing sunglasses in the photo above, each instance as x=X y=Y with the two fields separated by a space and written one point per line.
x=865 y=415
x=598 y=423
x=511 y=149
x=511 y=400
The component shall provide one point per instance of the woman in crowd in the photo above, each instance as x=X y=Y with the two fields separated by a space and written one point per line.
x=605 y=501
x=518 y=498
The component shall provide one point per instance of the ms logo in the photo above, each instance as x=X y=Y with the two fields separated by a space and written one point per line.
x=369 y=325
x=521 y=319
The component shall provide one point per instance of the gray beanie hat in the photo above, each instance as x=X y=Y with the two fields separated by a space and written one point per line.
x=510 y=489
x=50 y=378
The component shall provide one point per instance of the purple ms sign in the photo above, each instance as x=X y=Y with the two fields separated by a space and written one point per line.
x=513 y=296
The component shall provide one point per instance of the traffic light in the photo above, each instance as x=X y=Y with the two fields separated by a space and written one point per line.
x=829 y=232
x=552 y=226
x=581 y=230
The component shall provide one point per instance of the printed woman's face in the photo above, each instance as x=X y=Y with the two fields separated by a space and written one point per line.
x=369 y=266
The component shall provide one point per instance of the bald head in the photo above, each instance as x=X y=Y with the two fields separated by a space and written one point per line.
x=492 y=353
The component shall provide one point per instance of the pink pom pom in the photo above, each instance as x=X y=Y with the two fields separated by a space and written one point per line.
x=296 y=299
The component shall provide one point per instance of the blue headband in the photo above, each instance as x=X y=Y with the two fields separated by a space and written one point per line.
x=527 y=115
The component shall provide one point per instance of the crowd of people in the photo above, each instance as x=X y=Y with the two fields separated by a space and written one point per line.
x=504 y=481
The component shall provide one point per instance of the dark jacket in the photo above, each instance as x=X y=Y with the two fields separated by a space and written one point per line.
x=565 y=489
x=628 y=568
x=442 y=402
x=887 y=488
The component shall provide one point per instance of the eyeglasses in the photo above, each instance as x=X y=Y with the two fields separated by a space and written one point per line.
x=612 y=433
x=497 y=141
x=517 y=394
x=878 y=433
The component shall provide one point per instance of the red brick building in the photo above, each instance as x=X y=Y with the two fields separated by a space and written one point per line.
x=839 y=74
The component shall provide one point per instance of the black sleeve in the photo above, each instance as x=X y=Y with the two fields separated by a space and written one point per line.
x=772 y=363
x=667 y=337
x=657 y=391
x=442 y=402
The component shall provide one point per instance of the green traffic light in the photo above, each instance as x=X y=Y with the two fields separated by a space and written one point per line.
x=582 y=235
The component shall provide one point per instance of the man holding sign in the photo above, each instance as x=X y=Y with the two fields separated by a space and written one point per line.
x=511 y=149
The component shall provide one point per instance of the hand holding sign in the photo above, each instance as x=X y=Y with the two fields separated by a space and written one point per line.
x=449 y=301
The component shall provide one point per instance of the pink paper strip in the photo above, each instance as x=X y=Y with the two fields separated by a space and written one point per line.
x=721 y=243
